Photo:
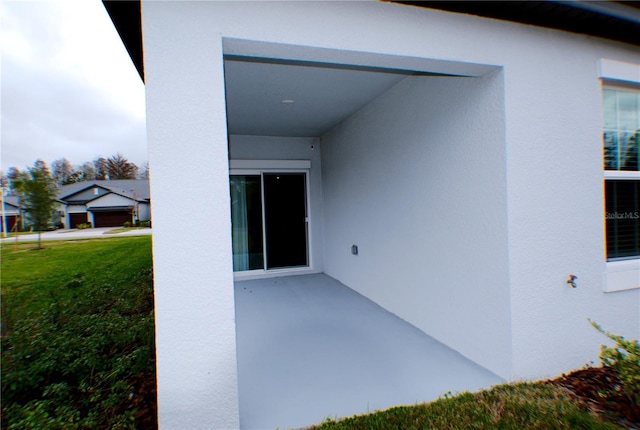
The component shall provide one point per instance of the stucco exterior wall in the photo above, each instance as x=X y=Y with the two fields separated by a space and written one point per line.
x=193 y=273
x=88 y=194
x=417 y=180
x=288 y=148
x=74 y=209
x=144 y=211
x=111 y=200
x=554 y=192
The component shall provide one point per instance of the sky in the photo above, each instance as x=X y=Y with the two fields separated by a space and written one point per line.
x=67 y=85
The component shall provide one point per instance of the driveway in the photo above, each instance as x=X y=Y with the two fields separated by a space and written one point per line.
x=90 y=233
x=311 y=348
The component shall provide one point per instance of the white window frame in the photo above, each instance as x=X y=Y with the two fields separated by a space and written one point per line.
x=258 y=167
x=625 y=274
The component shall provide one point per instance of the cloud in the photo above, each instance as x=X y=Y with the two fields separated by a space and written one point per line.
x=69 y=88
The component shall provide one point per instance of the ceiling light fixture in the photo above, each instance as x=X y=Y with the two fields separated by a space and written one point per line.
x=288 y=102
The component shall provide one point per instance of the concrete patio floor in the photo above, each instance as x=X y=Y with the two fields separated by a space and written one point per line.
x=311 y=348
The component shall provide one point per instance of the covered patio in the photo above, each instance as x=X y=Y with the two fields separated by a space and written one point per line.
x=310 y=348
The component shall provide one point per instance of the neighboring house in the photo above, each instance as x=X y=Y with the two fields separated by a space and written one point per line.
x=462 y=155
x=17 y=218
x=12 y=214
x=105 y=203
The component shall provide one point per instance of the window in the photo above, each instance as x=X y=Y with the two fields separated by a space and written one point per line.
x=622 y=174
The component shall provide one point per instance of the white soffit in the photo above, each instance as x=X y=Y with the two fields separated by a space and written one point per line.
x=292 y=100
x=293 y=91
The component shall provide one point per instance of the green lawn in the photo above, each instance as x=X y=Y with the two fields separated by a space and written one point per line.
x=78 y=335
x=31 y=277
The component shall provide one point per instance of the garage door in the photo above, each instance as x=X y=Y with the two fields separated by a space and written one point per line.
x=76 y=219
x=10 y=220
x=111 y=219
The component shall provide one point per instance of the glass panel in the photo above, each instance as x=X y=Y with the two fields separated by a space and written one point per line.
x=246 y=222
x=610 y=110
x=628 y=147
x=610 y=150
x=285 y=214
x=627 y=111
x=622 y=219
x=621 y=129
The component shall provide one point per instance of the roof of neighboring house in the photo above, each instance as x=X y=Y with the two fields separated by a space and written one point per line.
x=136 y=189
x=614 y=20
x=13 y=202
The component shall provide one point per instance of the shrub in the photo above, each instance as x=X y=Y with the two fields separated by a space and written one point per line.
x=624 y=358
x=127 y=224
x=84 y=226
x=145 y=223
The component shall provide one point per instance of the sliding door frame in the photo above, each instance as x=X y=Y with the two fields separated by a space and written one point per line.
x=260 y=167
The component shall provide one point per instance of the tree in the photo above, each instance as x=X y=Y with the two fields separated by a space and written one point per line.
x=12 y=174
x=62 y=171
x=76 y=176
x=120 y=168
x=101 y=169
x=38 y=192
x=144 y=171
x=87 y=172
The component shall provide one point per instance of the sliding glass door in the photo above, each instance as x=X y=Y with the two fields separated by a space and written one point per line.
x=269 y=221
x=246 y=222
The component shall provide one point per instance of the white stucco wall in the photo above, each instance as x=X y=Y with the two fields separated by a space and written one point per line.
x=88 y=194
x=144 y=211
x=554 y=208
x=76 y=209
x=193 y=278
x=111 y=200
x=291 y=148
x=417 y=180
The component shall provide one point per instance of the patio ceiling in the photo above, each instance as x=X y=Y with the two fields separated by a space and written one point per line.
x=298 y=99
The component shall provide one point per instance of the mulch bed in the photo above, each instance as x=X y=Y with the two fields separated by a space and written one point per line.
x=600 y=391
x=144 y=401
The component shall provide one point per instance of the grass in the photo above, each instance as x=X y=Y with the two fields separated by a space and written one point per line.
x=30 y=277
x=78 y=333
x=508 y=406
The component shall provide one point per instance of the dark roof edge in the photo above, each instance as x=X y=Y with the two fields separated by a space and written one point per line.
x=619 y=10
x=126 y=16
x=608 y=19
